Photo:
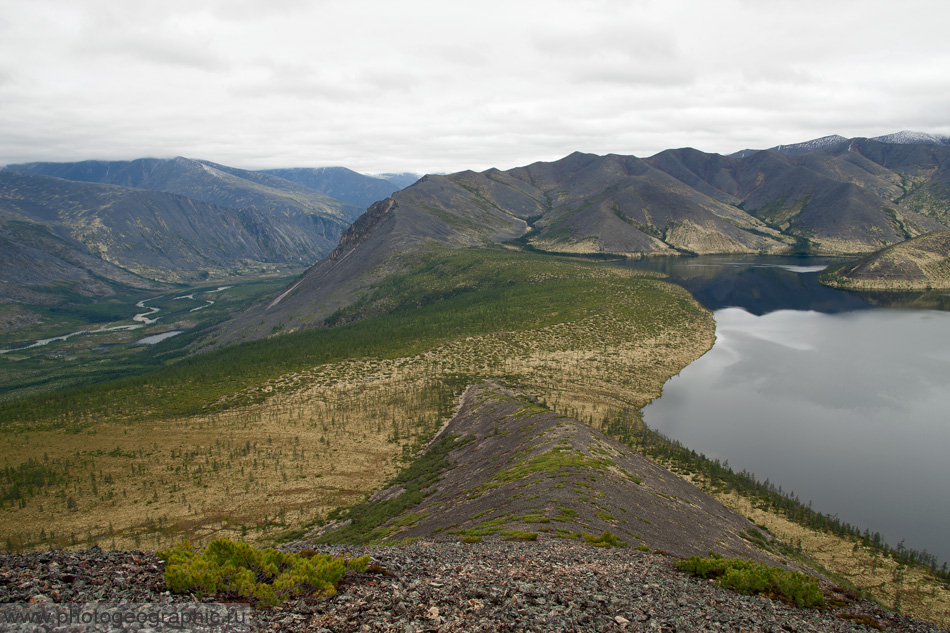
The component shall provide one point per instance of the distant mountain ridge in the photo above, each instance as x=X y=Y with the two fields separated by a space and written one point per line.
x=847 y=197
x=183 y=219
x=907 y=137
x=201 y=180
x=339 y=183
x=162 y=236
x=904 y=137
x=92 y=226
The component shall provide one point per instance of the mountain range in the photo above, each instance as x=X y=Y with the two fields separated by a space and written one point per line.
x=94 y=224
x=85 y=227
x=844 y=197
x=343 y=184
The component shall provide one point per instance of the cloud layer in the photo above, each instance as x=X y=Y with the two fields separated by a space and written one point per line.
x=438 y=86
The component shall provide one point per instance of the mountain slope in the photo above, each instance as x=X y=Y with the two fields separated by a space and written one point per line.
x=226 y=220
x=436 y=211
x=204 y=181
x=339 y=183
x=517 y=467
x=922 y=263
x=849 y=197
x=159 y=235
x=46 y=265
x=852 y=197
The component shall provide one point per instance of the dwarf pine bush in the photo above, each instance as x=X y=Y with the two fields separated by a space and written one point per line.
x=266 y=577
x=607 y=539
x=746 y=576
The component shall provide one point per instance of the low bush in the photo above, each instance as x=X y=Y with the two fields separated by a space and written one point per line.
x=607 y=539
x=746 y=576
x=266 y=577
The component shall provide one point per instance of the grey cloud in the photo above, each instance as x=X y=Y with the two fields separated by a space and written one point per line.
x=447 y=87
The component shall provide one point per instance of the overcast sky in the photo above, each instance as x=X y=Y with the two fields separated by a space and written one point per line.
x=440 y=86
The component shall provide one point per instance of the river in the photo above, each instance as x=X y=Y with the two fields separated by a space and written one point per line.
x=841 y=402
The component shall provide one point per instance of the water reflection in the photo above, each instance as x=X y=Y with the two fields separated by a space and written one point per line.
x=847 y=407
x=765 y=284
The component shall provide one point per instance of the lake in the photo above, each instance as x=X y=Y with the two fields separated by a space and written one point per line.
x=818 y=390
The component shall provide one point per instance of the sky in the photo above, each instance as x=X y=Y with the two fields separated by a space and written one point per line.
x=440 y=86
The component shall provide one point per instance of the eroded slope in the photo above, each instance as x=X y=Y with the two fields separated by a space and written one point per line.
x=519 y=469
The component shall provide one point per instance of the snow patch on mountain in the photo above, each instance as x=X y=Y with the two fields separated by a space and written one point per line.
x=906 y=137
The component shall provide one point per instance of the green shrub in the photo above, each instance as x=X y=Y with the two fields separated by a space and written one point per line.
x=266 y=577
x=746 y=576
x=607 y=539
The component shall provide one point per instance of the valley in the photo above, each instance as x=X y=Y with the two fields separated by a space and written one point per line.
x=287 y=398
x=70 y=345
x=383 y=388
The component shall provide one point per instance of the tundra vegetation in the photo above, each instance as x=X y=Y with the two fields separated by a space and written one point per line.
x=251 y=440
x=749 y=577
x=266 y=577
x=256 y=440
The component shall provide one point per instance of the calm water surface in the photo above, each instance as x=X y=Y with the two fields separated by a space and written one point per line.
x=844 y=403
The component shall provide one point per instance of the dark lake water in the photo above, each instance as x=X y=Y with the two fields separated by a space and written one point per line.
x=822 y=392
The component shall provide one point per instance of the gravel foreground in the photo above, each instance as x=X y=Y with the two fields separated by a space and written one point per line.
x=546 y=585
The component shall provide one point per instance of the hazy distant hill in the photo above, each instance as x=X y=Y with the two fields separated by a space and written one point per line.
x=80 y=224
x=339 y=183
x=402 y=179
x=156 y=235
x=205 y=181
x=847 y=197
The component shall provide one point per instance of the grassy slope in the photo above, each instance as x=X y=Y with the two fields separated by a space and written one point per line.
x=447 y=296
x=920 y=264
x=271 y=434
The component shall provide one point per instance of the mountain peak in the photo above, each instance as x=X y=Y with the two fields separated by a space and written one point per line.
x=807 y=147
x=906 y=137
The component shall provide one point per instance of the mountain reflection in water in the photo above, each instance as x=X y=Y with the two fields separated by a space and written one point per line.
x=821 y=392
